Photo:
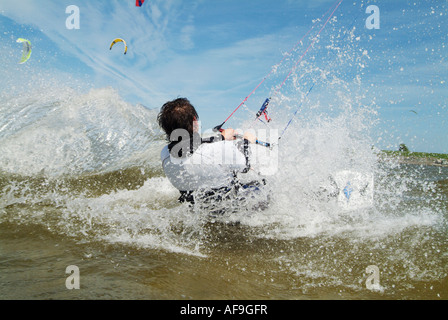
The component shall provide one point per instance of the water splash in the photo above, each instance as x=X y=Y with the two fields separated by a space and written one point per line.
x=61 y=132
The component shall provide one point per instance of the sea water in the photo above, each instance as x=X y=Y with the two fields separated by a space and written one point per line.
x=77 y=191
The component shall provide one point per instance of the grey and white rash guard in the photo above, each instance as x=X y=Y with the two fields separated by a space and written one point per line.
x=213 y=164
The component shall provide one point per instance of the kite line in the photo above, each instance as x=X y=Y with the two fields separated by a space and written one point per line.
x=264 y=107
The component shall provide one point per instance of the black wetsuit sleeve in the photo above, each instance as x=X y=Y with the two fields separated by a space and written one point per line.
x=243 y=146
x=212 y=139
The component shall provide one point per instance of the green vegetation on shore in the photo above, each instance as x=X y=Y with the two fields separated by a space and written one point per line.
x=404 y=152
x=409 y=154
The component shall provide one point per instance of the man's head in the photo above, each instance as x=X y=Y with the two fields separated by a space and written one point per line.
x=177 y=114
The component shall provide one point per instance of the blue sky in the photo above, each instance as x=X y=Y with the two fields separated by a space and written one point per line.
x=216 y=51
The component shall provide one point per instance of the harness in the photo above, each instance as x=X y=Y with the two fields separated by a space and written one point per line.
x=186 y=148
x=220 y=194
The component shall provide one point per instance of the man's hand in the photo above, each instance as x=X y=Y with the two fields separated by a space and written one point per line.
x=229 y=134
x=249 y=136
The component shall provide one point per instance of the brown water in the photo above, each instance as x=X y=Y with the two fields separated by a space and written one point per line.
x=222 y=260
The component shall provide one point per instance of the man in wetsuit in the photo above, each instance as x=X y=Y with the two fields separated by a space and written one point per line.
x=195 y=165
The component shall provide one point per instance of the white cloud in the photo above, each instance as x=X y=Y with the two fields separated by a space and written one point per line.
x=186 y=37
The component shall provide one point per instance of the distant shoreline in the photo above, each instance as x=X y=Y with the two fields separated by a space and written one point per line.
x=417 y=158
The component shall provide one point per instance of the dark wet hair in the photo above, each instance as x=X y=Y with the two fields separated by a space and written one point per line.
x=177 y=114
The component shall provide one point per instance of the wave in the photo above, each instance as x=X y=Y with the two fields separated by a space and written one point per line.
x=58 y=132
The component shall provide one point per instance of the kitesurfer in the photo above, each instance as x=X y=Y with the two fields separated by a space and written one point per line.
x=197 y=166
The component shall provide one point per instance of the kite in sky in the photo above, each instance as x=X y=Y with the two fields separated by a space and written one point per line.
x=139 y=3
x=119 y=40
x=26 y=51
